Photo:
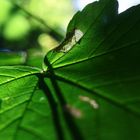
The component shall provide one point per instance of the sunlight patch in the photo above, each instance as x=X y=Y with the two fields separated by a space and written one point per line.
x=74 y=111
x=71 y=39
x=92 y=102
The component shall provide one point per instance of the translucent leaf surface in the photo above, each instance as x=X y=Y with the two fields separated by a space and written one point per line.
x=105 y=64
x=90 y=87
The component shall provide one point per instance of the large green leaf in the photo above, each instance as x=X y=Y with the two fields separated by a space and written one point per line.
x=89 y=88
x=105 y=64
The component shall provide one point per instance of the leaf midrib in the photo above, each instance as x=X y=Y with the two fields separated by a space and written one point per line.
x=108 y=99
x=103 y=53
x=16 y=78
x=94 y=22
x=95 y=56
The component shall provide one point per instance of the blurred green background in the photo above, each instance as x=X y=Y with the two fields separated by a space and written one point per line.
x=30 y=28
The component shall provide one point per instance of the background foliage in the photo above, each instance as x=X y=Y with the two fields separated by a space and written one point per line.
x=32 y=28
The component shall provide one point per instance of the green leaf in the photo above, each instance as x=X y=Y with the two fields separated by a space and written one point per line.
x=90 y=87
x=17 y=84
x=105 y=64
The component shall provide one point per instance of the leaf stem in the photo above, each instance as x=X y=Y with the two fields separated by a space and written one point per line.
x=74 y=130
x=53 y=105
